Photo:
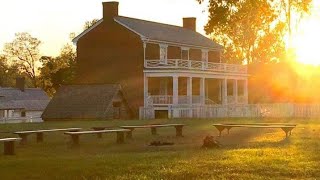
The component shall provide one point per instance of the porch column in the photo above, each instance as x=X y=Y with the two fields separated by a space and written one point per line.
x=235 y=91
x=245 y=91
x=224 y=92
x=145 y=90
x=189 y=90
x=202 y=91
x=189 y=95
x=144 y=54
x=220 y=91
x=175 y=89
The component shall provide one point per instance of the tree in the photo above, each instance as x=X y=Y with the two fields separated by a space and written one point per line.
x=8 y=73
x=88 y=24
x=24 y=52
x=58 y=71
x=248 y=27
x=299 y=7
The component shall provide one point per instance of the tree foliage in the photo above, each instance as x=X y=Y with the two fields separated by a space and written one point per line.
x=88 y=24
x=8 y=73
x=24 y=53
x=250 y=30
x=56 y=71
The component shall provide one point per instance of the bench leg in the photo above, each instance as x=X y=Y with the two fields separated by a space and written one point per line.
x=179 y=131
x=8 y=148
x=99 y=135
x=154 y=131
x=228 y=128
x=75 y=139
x=220 y=129
x=287 y=130
x=129 y=134
x=39 y=137
x=120 y=137
x=23 y=139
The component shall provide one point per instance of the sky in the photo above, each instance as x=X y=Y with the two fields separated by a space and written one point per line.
x=52 y=21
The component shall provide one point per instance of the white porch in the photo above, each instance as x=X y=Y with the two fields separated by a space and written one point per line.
x=162 y=91
x=195 y=65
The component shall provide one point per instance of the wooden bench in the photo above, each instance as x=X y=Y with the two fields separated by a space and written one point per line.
x=102 y=128
x=24 y=134
x=154 y=128
x=75 y=135
x=287 y=128
x=8 y=148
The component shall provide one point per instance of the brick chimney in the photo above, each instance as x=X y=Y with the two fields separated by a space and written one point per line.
x=110 y=10
x=20 y=81
x=190 y=23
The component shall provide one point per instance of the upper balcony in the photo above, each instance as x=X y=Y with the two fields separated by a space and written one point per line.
x=195 y=65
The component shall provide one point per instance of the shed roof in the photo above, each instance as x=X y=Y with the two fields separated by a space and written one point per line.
x=29 y=99
x=81 y=101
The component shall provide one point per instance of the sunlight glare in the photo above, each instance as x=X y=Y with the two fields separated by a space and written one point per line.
x=306 y=40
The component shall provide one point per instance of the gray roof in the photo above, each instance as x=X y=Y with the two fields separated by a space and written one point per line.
x=29 y=99
x=167 y=33
x=81 y=101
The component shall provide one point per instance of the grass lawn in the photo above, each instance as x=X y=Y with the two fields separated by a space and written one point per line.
x=246 y=153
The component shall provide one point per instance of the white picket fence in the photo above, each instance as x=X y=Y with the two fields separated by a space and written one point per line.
x=20 y=120
x=278 y=110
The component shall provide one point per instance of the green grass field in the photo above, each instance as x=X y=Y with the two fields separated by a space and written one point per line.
x=246 y=153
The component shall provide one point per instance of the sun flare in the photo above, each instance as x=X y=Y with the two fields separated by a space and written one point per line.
x=306 y=39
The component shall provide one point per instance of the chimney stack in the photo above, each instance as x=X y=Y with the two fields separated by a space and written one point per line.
x=190 y=23
x=110 y=10
x=20 y=81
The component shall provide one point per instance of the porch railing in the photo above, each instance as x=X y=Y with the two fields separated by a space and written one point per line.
x=195 y=65
x=168 y=99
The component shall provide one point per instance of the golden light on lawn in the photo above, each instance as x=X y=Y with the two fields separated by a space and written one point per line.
x=306 y=39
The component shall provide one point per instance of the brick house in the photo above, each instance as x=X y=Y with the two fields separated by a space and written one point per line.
x=164 y=69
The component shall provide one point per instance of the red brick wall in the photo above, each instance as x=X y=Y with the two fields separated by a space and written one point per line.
x=110 y=53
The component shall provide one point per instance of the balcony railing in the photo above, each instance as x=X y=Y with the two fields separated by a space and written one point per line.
x=195 y=65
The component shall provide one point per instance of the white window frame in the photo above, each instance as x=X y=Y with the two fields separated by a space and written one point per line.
x=163 y=53
x=185 y=49
x=204 y=55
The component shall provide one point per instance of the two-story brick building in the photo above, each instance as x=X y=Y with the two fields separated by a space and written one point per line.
x=162 y=68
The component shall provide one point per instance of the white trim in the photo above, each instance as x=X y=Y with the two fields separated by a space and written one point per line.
x=75 y=40
x=181 y=73
x=205 y=50
x=185 y=48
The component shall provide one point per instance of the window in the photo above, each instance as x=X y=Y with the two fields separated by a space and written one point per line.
x=116 y=104
x=23 y=113
x=204 y=56
x=163 y=53
x=116 y=109
x=185 y=53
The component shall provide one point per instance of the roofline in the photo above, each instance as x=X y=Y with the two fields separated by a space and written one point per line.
x=141 y=36
x=75 y=40
x=146 y=39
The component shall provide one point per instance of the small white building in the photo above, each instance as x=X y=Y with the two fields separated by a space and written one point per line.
x=22 y=104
